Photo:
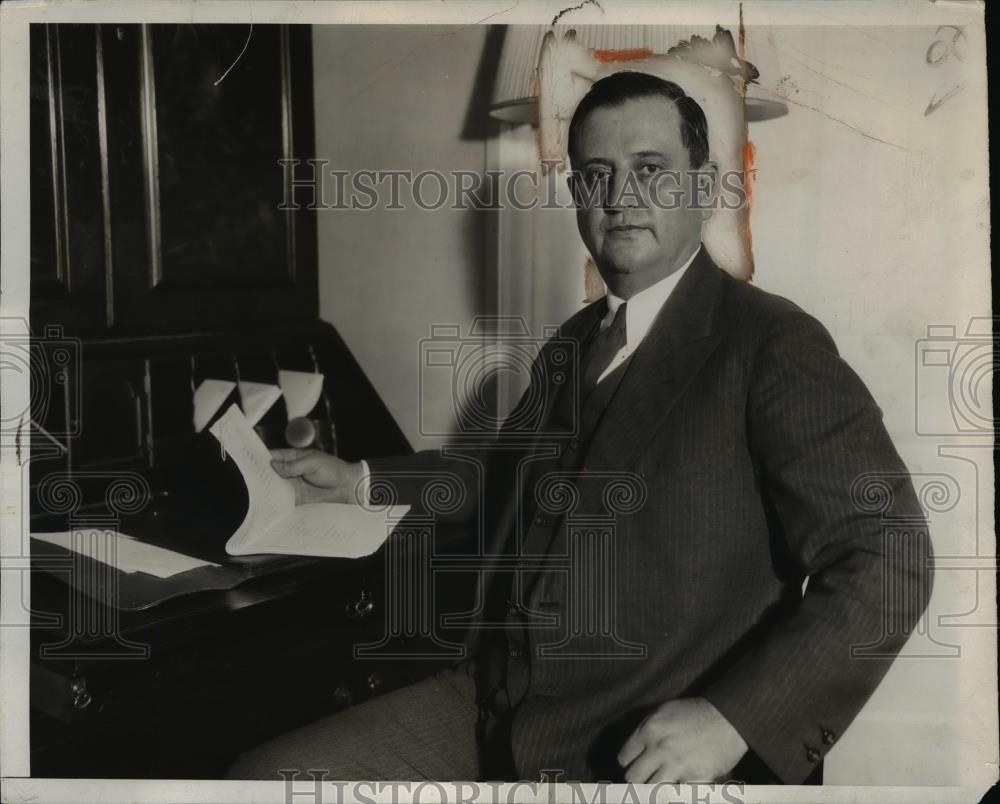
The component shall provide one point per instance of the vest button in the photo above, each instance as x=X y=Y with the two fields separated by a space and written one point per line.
x=541 y=519
x=828 y=737
x=515 y=652
x=512 y=608
x=812 y=755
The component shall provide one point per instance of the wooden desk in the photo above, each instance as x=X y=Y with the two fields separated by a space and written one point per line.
x=153 y=269
x=186 y=683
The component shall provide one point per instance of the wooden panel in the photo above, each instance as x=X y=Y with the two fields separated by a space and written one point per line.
x=68 y=265
x=114 y=415
x=213 y=135
x=195 y=174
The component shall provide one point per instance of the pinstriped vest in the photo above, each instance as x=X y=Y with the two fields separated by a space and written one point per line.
x=573 y=426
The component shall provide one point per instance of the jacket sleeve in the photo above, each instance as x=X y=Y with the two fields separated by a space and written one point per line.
x=850 y=517
x=439 y=481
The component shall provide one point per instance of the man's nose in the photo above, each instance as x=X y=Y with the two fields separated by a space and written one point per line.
x=621 y=193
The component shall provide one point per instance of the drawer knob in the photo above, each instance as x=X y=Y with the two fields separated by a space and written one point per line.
x=79 y=693
x=362 y=607
x=342 y=696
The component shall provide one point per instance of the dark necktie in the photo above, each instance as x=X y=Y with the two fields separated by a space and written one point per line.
x=601 y=351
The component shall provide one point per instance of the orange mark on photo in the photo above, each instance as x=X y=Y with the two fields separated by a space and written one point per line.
x=749 y=153
x=593 y=285
x=628 y=54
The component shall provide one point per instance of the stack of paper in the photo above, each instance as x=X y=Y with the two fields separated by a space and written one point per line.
x=125 y=553
x=274 y=524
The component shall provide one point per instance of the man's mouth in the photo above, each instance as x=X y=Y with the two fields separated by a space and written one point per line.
x=626 y=227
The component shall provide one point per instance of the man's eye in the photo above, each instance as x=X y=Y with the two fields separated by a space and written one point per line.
x=594 y=176
x=649 y=168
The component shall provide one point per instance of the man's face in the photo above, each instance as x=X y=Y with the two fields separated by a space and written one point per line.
x=642 y=221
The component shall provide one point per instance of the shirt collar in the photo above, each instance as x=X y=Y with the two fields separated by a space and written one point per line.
x=644 y=305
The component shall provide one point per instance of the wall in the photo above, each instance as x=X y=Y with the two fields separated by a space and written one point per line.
x=869 y=212
x=396 y=98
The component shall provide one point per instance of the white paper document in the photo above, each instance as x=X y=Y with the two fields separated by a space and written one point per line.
x=125 y=553
x=274 y=524
x=302 y=390
x=257 y=398
x=208 y=398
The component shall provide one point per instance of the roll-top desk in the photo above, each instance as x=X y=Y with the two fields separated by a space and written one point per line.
x=161 y=256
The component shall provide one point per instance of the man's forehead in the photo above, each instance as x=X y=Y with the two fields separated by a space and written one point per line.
x=638 y=124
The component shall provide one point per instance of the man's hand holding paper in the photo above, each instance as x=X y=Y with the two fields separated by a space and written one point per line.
x=318 y=476
x=300 y=502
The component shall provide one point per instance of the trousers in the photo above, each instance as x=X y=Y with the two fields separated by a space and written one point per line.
x=430 y=731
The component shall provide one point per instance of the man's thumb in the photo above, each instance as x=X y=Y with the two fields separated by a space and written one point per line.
x=297 y=467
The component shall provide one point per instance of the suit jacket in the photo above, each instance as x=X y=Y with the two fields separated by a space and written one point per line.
x=747 y=456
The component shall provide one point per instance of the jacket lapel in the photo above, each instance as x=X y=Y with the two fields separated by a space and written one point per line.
x=683 y=335
x=577 y=330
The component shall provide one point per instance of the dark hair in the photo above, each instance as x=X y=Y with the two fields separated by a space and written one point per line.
x=615 y=89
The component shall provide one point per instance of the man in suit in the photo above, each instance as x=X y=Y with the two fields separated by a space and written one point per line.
x=716 y=429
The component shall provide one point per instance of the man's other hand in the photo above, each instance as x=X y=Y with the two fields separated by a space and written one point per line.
x=686 y=740
x=318 y=476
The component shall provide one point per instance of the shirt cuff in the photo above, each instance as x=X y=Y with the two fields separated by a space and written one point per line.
x=362 y=496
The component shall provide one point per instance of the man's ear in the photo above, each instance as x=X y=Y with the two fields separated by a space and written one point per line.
x=706 y=189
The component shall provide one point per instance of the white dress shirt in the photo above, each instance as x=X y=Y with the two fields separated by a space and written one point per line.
x=640 y=313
